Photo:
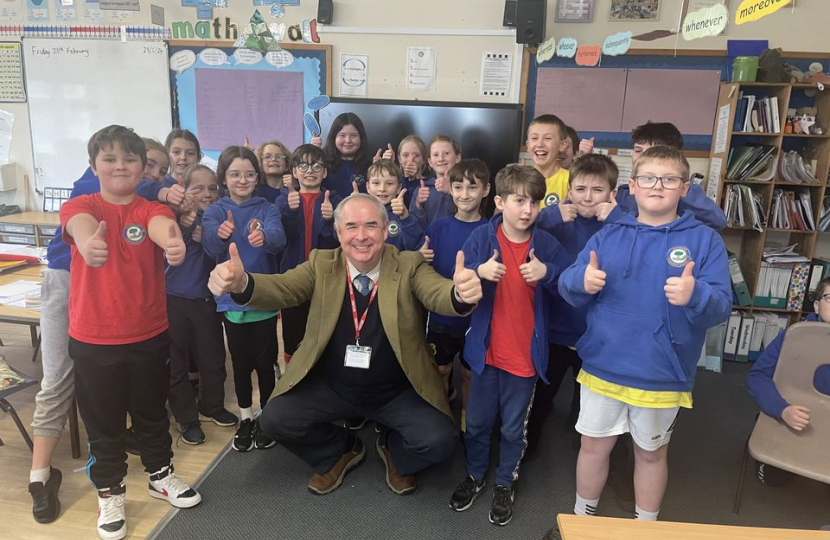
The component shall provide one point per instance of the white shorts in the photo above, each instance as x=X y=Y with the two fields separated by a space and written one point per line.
x=602 y=416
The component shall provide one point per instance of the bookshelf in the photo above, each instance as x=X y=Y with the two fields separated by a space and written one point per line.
x=745 y=241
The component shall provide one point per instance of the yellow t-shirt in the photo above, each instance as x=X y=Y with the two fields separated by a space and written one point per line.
x=634 y=396
x=556 y=188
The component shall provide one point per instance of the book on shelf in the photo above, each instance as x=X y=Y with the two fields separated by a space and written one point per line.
x=824 y=220
x=740 y=290
x=792 y=209
x=733 y=327
x=793 y=169
x=819 y=269
x=782 y=279
x=743 y=207
x=745 y=337
x=752 y=162
x=756 y=114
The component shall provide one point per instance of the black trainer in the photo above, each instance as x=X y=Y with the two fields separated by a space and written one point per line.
x=501 y=511
x=354 y=424
x=45 y=504
x=466 y=492
x=130 y=442
x=261 y=440
x=192 y=432
x=224 y=418
x=244 y=438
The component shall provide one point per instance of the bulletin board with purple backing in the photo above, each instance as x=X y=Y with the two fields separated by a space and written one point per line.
x=592 y=99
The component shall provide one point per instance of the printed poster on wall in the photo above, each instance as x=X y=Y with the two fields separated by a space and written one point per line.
x=92 y=11
x=65 y=13
x=354 y=74
x=37 y=10
x=495 y=74
x=11 y=10
x=420 y=68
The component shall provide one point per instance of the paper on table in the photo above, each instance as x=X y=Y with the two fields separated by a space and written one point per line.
x=420 y=68
x=18 y=290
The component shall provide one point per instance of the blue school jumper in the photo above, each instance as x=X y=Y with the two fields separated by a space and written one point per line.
x=438 y=204
x=405 y=234
x=340 y=179
x=696 y=201
x=293 y=222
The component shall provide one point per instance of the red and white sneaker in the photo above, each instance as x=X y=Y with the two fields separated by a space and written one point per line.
x=112 y=518
x=165 y=485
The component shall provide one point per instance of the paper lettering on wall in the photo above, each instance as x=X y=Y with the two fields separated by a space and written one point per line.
x=752 y=10
x=617 y=44
x=588 y=55
x=354 y=70
x=182 y=60
x=546 y=51
x=566 y=48
x=705 y=22
x=495 y=74
x=125 y=5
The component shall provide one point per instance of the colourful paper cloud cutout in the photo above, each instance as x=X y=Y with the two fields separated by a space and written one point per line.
x=588 y=55
x=752 y=10
x=546 y=51
x=617 y=44
x=566 y=48
x=709 y=21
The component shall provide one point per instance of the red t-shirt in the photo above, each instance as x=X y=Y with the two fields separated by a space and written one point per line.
x=511 y=326
x=123 y=301
x=308 y=216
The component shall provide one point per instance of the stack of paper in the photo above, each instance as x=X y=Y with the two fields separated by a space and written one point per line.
x=16 y=293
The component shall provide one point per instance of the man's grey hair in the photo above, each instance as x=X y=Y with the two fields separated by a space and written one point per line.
x=384 y=219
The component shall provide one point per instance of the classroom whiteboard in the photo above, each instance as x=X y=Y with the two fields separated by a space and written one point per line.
x=78 y=86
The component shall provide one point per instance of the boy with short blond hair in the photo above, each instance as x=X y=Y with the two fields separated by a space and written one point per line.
x=506 y=346
x=652 y=285
x=118 y=325
x=384 y=184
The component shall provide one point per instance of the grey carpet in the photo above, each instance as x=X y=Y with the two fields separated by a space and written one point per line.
x=263 y=494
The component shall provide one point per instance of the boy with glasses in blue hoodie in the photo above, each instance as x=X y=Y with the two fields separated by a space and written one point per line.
x=653 y=284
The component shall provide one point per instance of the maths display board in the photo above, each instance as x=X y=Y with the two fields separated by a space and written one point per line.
x=78 y=86
x=678 y=89
x=224 y=94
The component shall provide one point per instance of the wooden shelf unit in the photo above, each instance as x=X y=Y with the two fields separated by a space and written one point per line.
x=751 y=241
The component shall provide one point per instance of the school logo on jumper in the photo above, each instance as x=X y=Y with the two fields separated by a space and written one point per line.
x=678 y=256
x=254 y=225
x=393 y=229
x=551 y=199
x=358 y=178
x=134 y=233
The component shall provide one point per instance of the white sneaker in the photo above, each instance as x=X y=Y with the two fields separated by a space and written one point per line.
x=164 y=484
x=112 y=519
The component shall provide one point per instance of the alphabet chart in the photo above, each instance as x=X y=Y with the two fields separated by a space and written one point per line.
x=11 y=73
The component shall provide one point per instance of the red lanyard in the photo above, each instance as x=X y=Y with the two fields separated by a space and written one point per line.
x=359 y=326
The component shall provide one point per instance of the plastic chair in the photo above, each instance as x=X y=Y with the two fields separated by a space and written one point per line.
x=7 y=407
x=772 y=441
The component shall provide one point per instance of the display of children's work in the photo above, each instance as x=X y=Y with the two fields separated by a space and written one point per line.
x=634 y=10
x=12 y=88
x=225 y=95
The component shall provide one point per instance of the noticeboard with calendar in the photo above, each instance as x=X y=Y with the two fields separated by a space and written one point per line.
x=12 y=88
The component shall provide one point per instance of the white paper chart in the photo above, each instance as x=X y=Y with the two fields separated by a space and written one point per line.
x=11 y=73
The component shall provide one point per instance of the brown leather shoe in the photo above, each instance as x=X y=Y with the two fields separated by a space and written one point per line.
x=398 y=483
x=321 y=484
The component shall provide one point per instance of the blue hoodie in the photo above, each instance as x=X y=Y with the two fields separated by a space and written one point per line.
x=58 y=254
x=268 y=193
x=704 y=208
x=761 y=386
x=340 y=179
x=438 y=205
x=405 y=234
x=190 y=279
x=293 y=222
x=635 y=337
x=477 y=250
x=256 y=260
x=568 y=322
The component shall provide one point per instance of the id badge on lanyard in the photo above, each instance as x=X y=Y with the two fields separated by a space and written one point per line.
x=357 y=356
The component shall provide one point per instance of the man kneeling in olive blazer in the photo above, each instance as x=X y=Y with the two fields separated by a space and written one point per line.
x=364 y=352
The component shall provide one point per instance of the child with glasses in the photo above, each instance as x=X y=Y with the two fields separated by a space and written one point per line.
x=762 y=388
x=275 y=163
x=254 y=225
x=652 y=284
x=307 y=217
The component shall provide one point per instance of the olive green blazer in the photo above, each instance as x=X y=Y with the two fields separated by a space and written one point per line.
x=406 y=286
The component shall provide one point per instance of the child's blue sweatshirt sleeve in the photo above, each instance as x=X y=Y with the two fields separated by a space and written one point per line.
x=148 y=190
x=554 y=257
x=413 y=233
x=572 y=280
x=213 y=218
x=549 y=218
x=711 y=301
x=272 y=227
x=290 y=222
x=696 y=201
x=759 y=380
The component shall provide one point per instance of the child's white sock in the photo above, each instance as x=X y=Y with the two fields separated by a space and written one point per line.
x=246 y=413
x=40 y=475
x=639 y=513
x=585 y=507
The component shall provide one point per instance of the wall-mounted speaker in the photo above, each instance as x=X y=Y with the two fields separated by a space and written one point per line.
x=530 y=21
x=325 y=11
x=509 y=18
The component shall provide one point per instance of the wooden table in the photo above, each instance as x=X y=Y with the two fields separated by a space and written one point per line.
x=17 y=315
x=573 y=527
x=38 y=225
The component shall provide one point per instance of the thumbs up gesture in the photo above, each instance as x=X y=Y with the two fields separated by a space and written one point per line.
x=248 y=143
x=175 y=195
x=288 y=180
x=389 y=153
x=586 y=146
x=256 y=236
x=492 y=270
x=226 y=228
x=187 y=219
x=399 y=205
x=316 y=141
x=174 y=248
x=594 y=280
x=428 y=254
x=95 y=251
x=679 y=289
x=467 y=284
x=355 y=189
x=326 y=209
x=442 y=183
x=293 y=197
x=534 y=269
x=568 y=211
x=410 y=169
x=605 y=209
x=228 y=276
x=378 y=156
x=423 y=195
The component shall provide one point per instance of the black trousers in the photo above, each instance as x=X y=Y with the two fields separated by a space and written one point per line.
x=294 y=321
x=560 y=360
x=301 y=420
x=111 y=381
x=195 y=330
x=253 y=347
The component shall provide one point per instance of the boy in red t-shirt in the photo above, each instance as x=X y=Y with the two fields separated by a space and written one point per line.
x=118 y=324
x=507 y=346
